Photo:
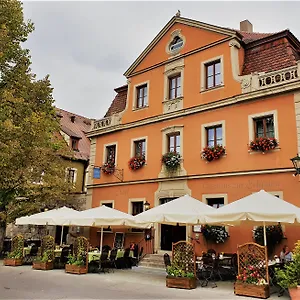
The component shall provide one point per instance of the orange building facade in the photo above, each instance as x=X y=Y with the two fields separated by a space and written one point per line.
x=199 y=85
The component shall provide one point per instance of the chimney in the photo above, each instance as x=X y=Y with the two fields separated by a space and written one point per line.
x=246 y=26
x=72 y=119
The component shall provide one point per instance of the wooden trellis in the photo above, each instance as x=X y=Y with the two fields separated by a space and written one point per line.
x=253 y=258
x=183 y=256
x=17 y=243
x=48 y=244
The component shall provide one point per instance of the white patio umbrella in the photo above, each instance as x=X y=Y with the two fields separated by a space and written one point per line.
x=260 y=207
x=105 y=216
x=56 y=217
x=183 y=210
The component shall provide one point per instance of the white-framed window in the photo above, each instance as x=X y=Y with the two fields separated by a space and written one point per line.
x=108 y=203
x=173 y=139
x=263 y=124
x=215 y=200
x=141 y=95
x=136 y=206
x=213 y=134
x=71 y=175
x=110 y=153
x=212 y=73
x=139 y=147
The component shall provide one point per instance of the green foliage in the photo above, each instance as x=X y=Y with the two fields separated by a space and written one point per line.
x=289 y=277
x=46 y=257
x=32 y=173
x=76 y=260
x=176 y=271
x=80 y=252
x=215 y=234
x=274 y=236
x=17 y=247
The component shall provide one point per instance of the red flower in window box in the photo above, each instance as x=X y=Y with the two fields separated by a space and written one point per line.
x=263 y=144
x=136 y=162
x=213 y=153
x=108 y=168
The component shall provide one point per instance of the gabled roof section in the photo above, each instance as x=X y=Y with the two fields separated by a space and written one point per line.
x=76 y=129
x=185 y=21
x=119 y=102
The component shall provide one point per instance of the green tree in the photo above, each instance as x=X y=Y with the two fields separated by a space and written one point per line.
x=32 y=164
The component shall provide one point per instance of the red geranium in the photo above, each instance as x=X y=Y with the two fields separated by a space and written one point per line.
x=136 y=163
x=263 y=144
x=108 y=168
x=213 y=153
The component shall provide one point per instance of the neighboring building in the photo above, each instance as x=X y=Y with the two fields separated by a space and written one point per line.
x=72 y=129
x=198 y=85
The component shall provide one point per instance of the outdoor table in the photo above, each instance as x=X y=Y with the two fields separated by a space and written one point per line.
x=57 y=252
x=96 y=255
x=26 y=250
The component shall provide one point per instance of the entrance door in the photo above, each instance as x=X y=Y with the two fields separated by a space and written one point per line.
x=170 y=234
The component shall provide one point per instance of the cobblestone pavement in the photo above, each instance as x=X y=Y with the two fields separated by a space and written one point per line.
x=139 y=283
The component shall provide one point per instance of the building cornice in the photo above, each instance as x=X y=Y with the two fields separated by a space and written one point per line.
x=288 y=87
x=198 y=176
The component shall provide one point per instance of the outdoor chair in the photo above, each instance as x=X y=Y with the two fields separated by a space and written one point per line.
x=211 y=251
x=207 y=271
x=167 y=260
x=106 y=248
x=104 y=262
x=29 y=258
x=127 y=259
x=112 y=258
x=229 y=269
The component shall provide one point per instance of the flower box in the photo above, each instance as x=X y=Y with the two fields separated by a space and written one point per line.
x=13 y=262
x=74 y=269
x=251 y=290
x=213 y=153
x=263 y=144
x=181 y=282
x=136 y=163
x=42 y=265
x=294 y=293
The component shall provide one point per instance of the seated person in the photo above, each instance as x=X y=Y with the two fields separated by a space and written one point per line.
x=132 y=246
x=286 y=254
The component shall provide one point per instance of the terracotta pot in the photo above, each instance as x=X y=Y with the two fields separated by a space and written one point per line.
x=13 y=262
x=73 y=269
x=42 y=265
x=181 y=282
x=295 y=293
x=251 y=290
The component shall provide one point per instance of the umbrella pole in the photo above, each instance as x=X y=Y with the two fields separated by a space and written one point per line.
x=61 y=236
x=101 y=239
x=265 y=235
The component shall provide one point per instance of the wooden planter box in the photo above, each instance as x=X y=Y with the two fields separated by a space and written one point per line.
x=42 y=265
x=13 y=262
x=181 y=282
x=252 y=290
x=73 y=269
x=294 y=293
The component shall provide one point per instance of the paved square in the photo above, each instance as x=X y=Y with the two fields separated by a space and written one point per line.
x=139 y=283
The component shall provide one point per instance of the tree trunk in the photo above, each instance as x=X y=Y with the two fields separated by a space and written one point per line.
x=2 y=235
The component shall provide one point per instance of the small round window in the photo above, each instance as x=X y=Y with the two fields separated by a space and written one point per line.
x=176 y=44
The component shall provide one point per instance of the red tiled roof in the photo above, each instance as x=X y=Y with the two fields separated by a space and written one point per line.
x=77 y=130
x=249 y=37
x=119 y=103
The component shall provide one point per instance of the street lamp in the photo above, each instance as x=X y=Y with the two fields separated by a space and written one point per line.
x=147 y=205
x=296 y=163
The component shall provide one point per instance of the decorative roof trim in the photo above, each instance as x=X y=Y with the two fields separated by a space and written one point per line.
x=184 y=21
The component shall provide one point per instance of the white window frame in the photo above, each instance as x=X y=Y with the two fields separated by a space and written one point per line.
x=146 y=146
x=75 y=174
x=134 y=100
x=260 y=115
x=203 y=73
x=172 y=69
x=107 y=201
x=204 y=132
x=172 y=129
x=105 y=152
x=131 y=200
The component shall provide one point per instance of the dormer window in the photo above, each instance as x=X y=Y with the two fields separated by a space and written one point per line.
x=176 y=44
x=74 y=144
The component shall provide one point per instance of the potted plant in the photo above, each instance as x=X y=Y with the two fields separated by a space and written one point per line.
x=215 y=234
x=213 y=152
x=108 y=168
x=15 y=257
x=76 y=265
x=44 y=262
x=136 y=162
x=274 y=236
x=263 y=144
x=178 y=278
x=171 y=160
x=289 y=276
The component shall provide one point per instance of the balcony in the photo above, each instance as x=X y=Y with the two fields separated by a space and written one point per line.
x=107 y=122
x=261 y=81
